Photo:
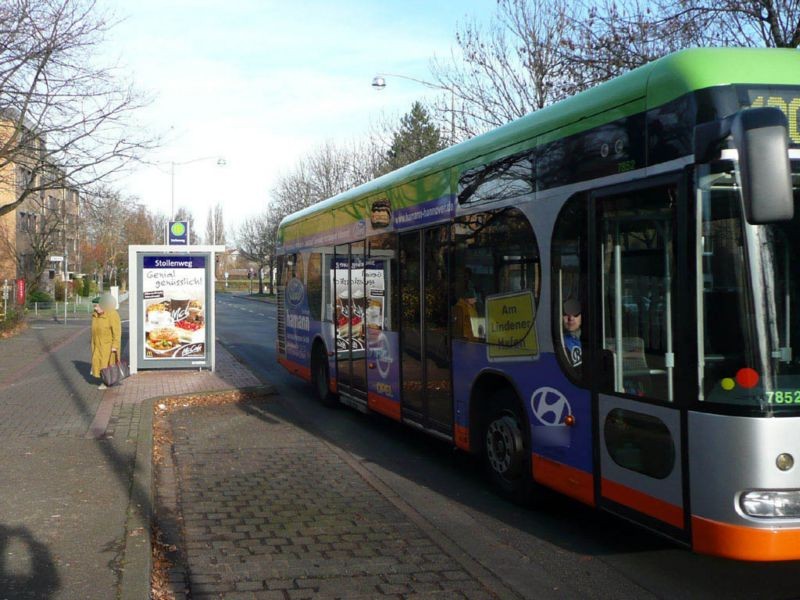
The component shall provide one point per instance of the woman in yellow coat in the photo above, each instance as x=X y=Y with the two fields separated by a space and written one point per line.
x=106 y=335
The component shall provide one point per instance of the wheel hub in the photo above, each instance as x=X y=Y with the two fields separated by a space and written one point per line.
x=504 y=445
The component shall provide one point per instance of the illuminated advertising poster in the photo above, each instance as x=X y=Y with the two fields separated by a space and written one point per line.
x=358 y=306
x=174 y=294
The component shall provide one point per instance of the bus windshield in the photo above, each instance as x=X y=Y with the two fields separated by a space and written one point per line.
x=749 y=298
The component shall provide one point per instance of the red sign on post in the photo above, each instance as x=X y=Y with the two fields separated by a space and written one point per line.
x=20 y=292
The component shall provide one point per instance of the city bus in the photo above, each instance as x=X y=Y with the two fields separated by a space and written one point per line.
x=599 y=298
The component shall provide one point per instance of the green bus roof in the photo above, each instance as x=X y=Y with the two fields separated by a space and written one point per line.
x=646 y=87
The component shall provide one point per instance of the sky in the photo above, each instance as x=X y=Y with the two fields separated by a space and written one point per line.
x=260 y=83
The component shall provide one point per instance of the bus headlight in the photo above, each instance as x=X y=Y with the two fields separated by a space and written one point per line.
x=766 y=503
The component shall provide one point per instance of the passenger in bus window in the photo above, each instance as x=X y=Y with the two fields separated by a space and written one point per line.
x=465 y=315
x=572 y=332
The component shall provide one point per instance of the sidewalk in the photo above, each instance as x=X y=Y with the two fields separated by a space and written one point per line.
x=272 y=511
x=76 y=499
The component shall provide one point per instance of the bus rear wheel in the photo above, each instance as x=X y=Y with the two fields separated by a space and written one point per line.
x=506 y=455
x=320 y=378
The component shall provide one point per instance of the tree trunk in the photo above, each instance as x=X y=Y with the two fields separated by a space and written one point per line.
x=260 y=280
x=271 y=282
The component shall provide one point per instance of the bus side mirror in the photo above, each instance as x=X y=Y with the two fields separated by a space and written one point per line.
x=762 y=139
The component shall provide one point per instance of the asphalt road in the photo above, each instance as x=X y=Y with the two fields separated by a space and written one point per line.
x=560 y=549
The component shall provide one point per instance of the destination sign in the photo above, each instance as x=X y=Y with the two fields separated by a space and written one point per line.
x=786 y=99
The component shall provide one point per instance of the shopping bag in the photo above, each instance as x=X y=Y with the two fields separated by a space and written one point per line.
x=114 y=374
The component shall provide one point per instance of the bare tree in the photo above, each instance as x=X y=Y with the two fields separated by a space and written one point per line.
x=112 y=222
x=754 y=23
x=59 y=107
x=508 y=68
x=41 y=230
x=328 y=170
x=535 y=52
x=215 y=226
x=611 y=37
x=185 y=214
x=256 y=240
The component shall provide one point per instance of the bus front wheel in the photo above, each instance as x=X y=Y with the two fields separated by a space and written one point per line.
x=506 y=455
x=320 y=378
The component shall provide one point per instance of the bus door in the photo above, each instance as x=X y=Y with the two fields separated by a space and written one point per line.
x=639 y=423
x=424 y=337
x=348 y=296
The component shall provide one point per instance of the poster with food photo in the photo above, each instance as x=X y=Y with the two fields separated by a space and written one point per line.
x=174 y=294
x=356 y=310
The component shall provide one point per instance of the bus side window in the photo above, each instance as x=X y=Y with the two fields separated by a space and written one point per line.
x=382 y=283
x=569 y=267
x=638 y=284
x=314 y=285
x=495 y=253
x=288 y=268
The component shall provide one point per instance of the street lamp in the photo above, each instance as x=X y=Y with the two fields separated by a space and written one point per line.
x=220 y=163
x=379 y=84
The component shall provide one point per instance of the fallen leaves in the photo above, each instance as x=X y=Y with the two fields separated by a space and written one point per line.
x=160 y=586
x=166 y=554
x=14 y=330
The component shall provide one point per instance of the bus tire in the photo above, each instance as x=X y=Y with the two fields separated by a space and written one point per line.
x=320 y=377
x=506 y=451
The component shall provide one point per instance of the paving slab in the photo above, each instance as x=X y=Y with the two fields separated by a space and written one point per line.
x=76 y=488
x=268 y=507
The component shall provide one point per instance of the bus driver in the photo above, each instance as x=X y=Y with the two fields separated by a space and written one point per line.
x=572 y=331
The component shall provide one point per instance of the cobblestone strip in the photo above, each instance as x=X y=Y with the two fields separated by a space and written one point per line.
x=271 y=511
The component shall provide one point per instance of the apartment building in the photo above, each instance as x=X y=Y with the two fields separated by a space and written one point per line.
x=46 y=224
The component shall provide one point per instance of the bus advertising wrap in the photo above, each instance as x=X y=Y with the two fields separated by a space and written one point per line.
x=174 y=300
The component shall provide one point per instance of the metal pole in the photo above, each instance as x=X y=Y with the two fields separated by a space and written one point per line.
x=65 y=276
x=172 y=196
x=669 y=359
x=787 y=343
x=619 y=387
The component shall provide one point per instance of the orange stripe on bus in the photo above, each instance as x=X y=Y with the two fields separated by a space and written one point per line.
x=462 y=437
x=382 y=405
x=295 y=368
x=744 y=543
x=563 y=478
x=644 y=503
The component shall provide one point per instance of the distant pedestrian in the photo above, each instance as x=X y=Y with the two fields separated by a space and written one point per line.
x=106 y=336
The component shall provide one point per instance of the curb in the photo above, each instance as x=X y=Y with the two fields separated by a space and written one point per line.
x=138 y=554
x=135 y=581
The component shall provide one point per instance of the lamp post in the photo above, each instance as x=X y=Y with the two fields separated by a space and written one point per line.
x=379 y=83
x=221 y=162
